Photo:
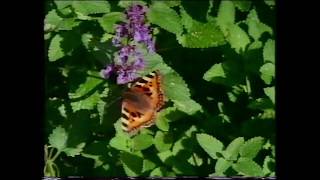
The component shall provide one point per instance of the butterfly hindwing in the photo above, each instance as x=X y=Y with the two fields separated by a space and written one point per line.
x=141 y=103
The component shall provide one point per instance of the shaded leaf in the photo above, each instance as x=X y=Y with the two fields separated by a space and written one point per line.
x=232 y=150
x=251 y=147
x=226 y=15
x=55 y=51
x=108 y=21
x=248 y=167
x=132 y=164
x=91 y=7
x=58 y=138
x=269 y=51
x=210 y=144
x=238 y=38
x=267 y=72
x=255 y=27
x=142 y=141
x=270 y=92
x=163 y=141
x=221 y=166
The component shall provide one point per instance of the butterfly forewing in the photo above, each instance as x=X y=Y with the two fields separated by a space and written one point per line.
x=141 y=102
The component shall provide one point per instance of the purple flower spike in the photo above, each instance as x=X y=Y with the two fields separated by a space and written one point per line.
x=106 y=73
x=125 y=76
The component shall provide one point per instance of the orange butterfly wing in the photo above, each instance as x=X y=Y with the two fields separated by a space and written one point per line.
x=141 y=103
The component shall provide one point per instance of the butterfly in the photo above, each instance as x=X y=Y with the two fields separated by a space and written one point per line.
x=141 y=102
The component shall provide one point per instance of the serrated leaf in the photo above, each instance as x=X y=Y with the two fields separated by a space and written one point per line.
x=195 y=160
x=158 y=172
x=165 y=17
x=251 y=148
x=255 y=27
x=247 y=167
x=226 y=15
x=58 y=138
x=210 y=144
x=268 y=165
x=267 y=72
x=91 y=7
x=120 y=143
x=108 y=21
x=55 y=51
x=62 y=4
x=68 y=24
x=148 y=165
x=269 y=51
x=74 y=151
x=238 y=38
x=216 y=71
x=255 y=45
x=52 y=20
x=270 y=3
x=163 y=156
x=243 y=5
x=142 y=141
x=221 y=166
x=162 y=121
x=132 y=163
x=106 y=37
x=202 y=35
x=172 y=3
x=126 y=3
x=270 y=92
x=163 y=141
x=86 y=39
x=86 y=96
x=232 y=150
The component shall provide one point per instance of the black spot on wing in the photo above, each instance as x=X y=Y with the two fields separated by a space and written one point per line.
x=133 y=114
x=142 y=81
x=150 y=76
x=148 y=93
x=145 y=89
x=124 y=124
x=126 y=110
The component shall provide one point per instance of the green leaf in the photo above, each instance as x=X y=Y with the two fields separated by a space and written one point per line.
x=163 y=141
x=142 y=141
x=91 y=7
x=202 y=35
x=51 y=20
x=255 y=27
x=255 y=45
x=247 y=167
x=251 y=147
x=270 y=3
x=132 y=163
x=62 y=4
x=267 y=72
x=120 y=143
x=269 y=51
x=55 y=51
x=165 y=17
x=108 y=21
x=270 y=92
x=68 y=24
x=238 y=38
x=232 y=151
x=226 y=15
x=216 y=71
x=171 y=3
x=177 y=90
x=148 y=165
x=86 y=38
x=195 y=160
x=162 y=121
x=210 y=144
x=243 y=5
x=58 y=138
x=74 y=151
x=164 y=155
x=86 y=95
x=268 y=165
x=126 y=3
x=159 y=172
x=221 y=166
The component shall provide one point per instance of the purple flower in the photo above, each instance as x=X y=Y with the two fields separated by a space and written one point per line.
x=125 y=76
x=106 y=73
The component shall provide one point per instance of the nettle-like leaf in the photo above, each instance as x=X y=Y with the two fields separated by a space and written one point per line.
x=86 y=95
x=91 y=7
x=269 y=51
x=126 y=3
x=243 y=5
x=159 y=172
x=268 y=165
x=108 y=21
x=162 y=141
x=247 y=167
x=221 y=166
x=210 y=144
x=226 y=15
x=58 y=138
x=71 y=151
x=174 y=86
x=251 y=147
x=86 y=38
x=270 y=3
x=261 y=103
x=216 y=71
x=172 y=3
x=142 y=141
x=199 y=35
x=148 y=165
x=51 y=20
x=255 y=27
x=238 y=38
x=232 y=151
x=62 y=4
x=165 y=17
x=132 y=163
x=267 y=72
x=270 y=92
x=55 y=51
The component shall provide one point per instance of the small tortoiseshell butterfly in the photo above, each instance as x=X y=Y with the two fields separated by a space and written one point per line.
x=142 y=102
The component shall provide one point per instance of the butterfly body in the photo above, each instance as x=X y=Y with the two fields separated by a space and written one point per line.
x=142 y=102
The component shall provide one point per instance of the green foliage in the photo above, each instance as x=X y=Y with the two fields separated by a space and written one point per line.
x=217 y=62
